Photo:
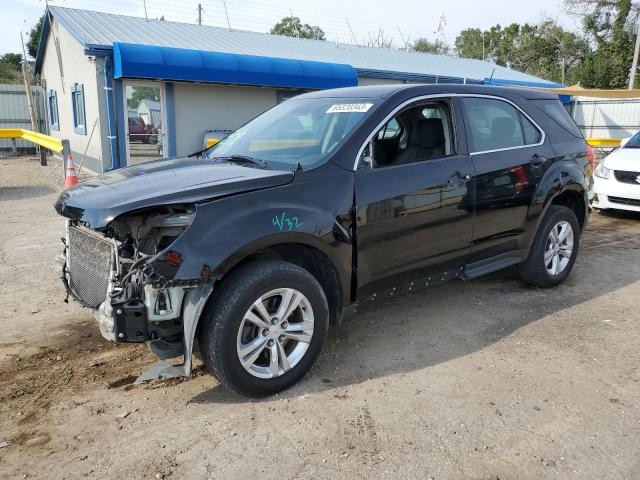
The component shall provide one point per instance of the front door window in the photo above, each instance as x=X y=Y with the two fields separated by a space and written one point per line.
x=145 y=135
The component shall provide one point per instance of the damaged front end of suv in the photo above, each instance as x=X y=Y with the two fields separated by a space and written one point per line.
x=126 y=256
x=121 y=272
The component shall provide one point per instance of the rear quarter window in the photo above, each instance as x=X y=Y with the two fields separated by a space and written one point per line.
x=559 y=114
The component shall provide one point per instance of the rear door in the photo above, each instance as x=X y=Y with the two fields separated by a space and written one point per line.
x=414 y=198
x=509 y=154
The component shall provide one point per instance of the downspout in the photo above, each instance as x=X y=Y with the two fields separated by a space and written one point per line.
x=108 y=89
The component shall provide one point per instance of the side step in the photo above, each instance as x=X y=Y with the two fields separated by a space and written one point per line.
x=493 y=264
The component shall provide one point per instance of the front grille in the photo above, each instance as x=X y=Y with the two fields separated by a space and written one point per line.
x=627 y=177
x=625 y=201
x=89 y=261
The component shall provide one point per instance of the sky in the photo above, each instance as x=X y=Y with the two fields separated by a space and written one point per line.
x=352 y=21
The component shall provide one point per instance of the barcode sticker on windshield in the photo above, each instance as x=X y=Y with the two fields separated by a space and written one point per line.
x=350 y=107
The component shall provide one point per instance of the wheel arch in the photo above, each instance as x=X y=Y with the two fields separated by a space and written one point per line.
x=305 y=251
x=574 y=199
x=562 y=184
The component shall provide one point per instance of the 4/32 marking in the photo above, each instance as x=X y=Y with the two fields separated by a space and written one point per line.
x=285 y=223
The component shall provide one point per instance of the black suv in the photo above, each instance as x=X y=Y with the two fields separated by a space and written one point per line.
x=330 y=200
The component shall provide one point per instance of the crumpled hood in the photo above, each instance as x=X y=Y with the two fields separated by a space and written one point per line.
x=99 y=200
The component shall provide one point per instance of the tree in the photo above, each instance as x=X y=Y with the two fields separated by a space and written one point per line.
x=13 y=59
x=545 y=50
x=293 y=27
x=142 y=93
x=610 y=27
x=10 y=69
x=379 y=39
x=437 y=47
x=34 y=38
x=470 y=43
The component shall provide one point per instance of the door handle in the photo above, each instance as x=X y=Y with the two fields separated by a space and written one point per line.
x=537 y=160
x=457 y=179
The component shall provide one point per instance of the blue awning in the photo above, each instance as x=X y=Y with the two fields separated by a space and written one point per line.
x=165 y=63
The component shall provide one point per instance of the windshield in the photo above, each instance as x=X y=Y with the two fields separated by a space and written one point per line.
x=634 y=142
x=299 y=132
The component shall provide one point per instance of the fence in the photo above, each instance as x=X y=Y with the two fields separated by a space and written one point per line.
x=600 y=118
x=14 y=113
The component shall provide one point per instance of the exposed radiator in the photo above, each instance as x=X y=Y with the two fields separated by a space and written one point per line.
x=89 y=262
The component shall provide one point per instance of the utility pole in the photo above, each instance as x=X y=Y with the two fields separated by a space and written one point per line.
x=199 y=14
x=634 y=65
x=26 y=75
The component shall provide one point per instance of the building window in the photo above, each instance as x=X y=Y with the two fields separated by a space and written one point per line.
x=52 y=100
x=77 y=103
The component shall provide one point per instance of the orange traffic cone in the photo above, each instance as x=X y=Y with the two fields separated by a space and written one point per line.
x=71 y=177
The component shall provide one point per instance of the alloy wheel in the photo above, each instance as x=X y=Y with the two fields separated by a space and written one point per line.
x=275 y=333
x=558 y=249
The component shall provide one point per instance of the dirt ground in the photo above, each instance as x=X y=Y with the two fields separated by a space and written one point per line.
x=484 y=379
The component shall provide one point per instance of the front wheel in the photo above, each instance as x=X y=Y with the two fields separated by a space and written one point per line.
x=264 y=328
x=554 y=249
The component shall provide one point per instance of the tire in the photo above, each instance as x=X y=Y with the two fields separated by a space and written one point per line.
x=225 y=325
x=535 y=271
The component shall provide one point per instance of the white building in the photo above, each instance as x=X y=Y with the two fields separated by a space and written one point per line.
x=99 y=69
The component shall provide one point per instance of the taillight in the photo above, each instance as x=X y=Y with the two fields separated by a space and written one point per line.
x=591 y=156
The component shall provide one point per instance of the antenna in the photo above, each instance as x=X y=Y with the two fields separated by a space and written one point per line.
x=227 y=14
x=200 y=14
x=351 y=30
x=491 y=77
x=144 y=3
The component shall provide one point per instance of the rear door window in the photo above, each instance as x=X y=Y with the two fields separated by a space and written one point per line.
x=559 y=114
x=493 y=124
x=496 y=125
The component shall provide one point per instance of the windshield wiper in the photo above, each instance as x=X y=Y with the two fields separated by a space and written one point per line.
x=243 y=159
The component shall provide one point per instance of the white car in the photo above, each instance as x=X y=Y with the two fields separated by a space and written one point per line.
x=616 y=179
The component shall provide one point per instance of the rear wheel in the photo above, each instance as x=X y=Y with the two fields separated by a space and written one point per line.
x=554 y=249
x=265 y=327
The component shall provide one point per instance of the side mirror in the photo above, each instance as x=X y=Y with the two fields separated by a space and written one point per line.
x=624 y=141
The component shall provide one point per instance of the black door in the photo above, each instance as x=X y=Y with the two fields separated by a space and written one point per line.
x=414 y=199
x=509 y=154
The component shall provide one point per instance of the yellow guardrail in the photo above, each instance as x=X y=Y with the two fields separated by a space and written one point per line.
x=604 y=142
x=50 y=143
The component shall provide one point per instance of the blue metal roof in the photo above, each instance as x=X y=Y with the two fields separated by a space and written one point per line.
x=101 y=30
x=166 y=63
